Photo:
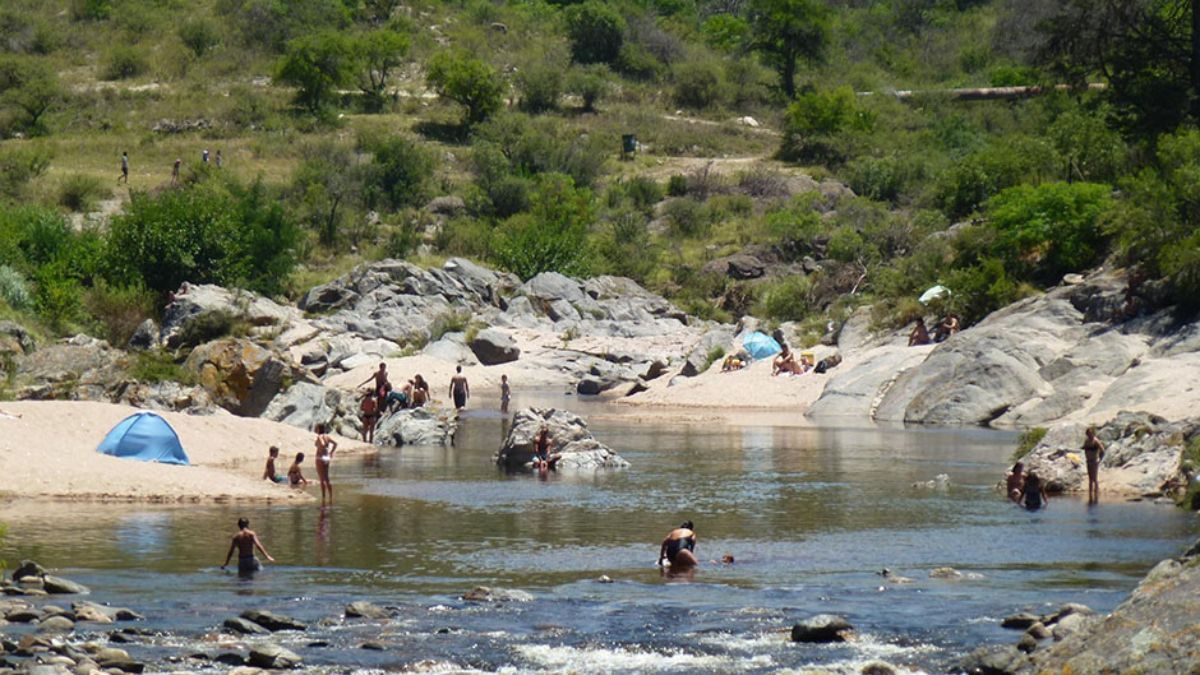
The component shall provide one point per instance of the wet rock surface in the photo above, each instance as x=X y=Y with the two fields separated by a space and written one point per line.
x=572 y=445
x=822 y=628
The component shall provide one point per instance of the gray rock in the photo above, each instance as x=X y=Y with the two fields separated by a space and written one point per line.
x=822 y=628
x=487 y=594
x=598 y=384
x=146 y=336
x=26 y=615
x=59 y=586
x=304 y=404
x=204 y=313
x=1027 y=643
x=1020 y=621
x=571 y=442
x=273 y=656
x=272 y=621
x=449 y=205
x=417 y=426
x=167 y=396
x=244 y=626
x=493 y=347
x=452 y=347
x=878 y=668
x=1038 y=631
x=1002 y=660
x=696 y=359
x=28 y=568
x=20 y=339
x=364 y=610
x=240 y=375
x=1069 y=625
x=55 y=624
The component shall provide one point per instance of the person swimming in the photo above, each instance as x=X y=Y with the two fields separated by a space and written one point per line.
x=678 y=549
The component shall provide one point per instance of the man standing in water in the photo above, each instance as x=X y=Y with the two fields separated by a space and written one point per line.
x=245 y=541
x=1093 y=450
x=460 y=391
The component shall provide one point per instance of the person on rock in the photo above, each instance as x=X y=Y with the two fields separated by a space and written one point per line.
x=1093 y=450
x=541 y=450
x=678 y=549
x=245 y=542
x=269 y=471
x=460 y=389
x=420 y=392
x=919 y=335
x=380 y=378
x=369 y=414
x=325 y=449
x=1033 y=495
x=295 y=475
x=1015 y=482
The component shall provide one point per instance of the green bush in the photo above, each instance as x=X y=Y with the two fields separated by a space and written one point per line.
x=58 y=296
x=589 y=83
x=79 y=192
x=677 y=185
x=785 y=299
x=199 y=35
x=973 y=179
x=879 y=178
x=91 y=10
x=14 y=290
x=317 y=65
x=687 y=217
x=401 y=172
x=699 y=84
x=643 y=191
x=816 y=121
x=638 y=63
x=527 y=146
x=468 y=81
x=122 y=62
x=596 y=31
x=119 y=310
x=1027 y=442
x=552 y=237
x=540 y=86
x=159 y=366
x=20 y=165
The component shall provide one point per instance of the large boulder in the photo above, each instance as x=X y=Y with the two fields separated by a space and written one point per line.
x=697 y=359
x=452 y=347
x=493 y=347
x=14 y=339
x=167 y=395
x=304 y=404
x=81 y=368
x=570 y=439
x=417 y=426
x=202 y=312
x=240 y=375
x=273 y=656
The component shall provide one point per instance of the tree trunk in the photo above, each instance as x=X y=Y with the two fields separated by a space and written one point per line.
x=1195 y=61
x=787 y=73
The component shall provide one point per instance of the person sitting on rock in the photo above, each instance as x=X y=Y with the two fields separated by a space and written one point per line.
x=269 y=470
x=679 y=548
x=369 y=408
x=1033 y=494
x=785 y=363
x=919 y=335
x=945 y=328
x=420 y=392
x=245 y=542
x=1015 y=482
x=541 y=450
x=295 y=476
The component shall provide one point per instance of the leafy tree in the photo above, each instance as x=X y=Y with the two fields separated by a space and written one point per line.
x=596 y=32
x=590 y=83
x=1148 y=51
x=272 y=24
x=316 y=65
x=378 y=53
x=816 y=120
x=326 y=185
x=699 y=83
x=469 y=81
x=30 y=87
x=400 y=173
x=552 y=236
x=540 y=85
x=785 y=31
x=18 y=166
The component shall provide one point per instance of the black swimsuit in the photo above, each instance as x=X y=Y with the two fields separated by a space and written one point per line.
x=676 y=545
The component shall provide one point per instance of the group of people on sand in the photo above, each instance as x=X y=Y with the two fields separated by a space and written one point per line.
x=945 y=328
x=325 y=447
x=1028 y=489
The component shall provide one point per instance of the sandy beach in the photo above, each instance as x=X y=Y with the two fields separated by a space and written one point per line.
x=49 y=452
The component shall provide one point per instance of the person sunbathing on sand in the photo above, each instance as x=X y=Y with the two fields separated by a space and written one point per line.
x=295 y=477
x=245 y=542
x=786 y=363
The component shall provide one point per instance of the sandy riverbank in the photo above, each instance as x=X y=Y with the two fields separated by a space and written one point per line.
x=50 y=452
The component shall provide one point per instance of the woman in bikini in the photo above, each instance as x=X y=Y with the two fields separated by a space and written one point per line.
x=325 y=448
x=679 y=547
x=370 y=415
x=1093 y=450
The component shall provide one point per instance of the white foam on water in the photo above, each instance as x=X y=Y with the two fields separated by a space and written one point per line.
x=601 y=660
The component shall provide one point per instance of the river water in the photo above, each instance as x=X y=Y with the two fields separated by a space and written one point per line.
x=810 y=514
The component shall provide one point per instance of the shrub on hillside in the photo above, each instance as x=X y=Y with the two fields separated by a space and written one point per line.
x=552 y=236
x=79 y=192
x=596 y=31
x=785 y=299
x=540 y=85
x=687 y=217
x=122 y=62
x=19 y=165
x=880 y=178
x=699 y=84
x=199 y=35
x=816 y=121
x=527 y=146
x=400 y=174
x=119 y=310
x=589 y=83
x=14 y=290
x=468 y=81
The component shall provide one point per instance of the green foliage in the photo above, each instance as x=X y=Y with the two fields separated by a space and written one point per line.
x=29 y=88
x=677 y=185
x=122 y=62
x=881 y=178
x=724 y=31
x=159 y=366
x=1048 y=230
x=199 y=35
x=91 y=10
x=271 y=24
x=785 y=31
x=639 y=63
x=119 y=310
x=526 y=146
x=816 y=120
x=20 y=164
x=79 y=192
x=699 y=84
x=552 y=236
x=596 y=32
x=400 y=174
x=687 y=217
x=715 y=354
x=14 y=290
x=590 y=83
x=468 y=81
x=984 y=173
x=785 y=299
x=1027 y=442
x=377 y=54
x=316 y=65
x=540 y=86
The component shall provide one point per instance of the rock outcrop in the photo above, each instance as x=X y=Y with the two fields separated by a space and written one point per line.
x=202 y=312
x=241 y=376
x=417 y=426
x=571 y=441
x=493 y=347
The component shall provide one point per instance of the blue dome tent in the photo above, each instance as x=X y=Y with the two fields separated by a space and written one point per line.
x=759 y=345
x=145 y=437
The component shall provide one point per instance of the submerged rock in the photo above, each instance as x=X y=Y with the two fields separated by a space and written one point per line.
x=571 y=441
x=993 y=660
x=59 y=586
x=273 y=656
x=487 y=594
x=272 y=621
x=365 y=610
x=822 y=628
x=244 y=626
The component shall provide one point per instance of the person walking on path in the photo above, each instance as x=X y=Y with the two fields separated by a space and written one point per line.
x=204 y=156
x=325 y=449
x=245 y=542
x=1093 y=450
x=460 y=391
x=175 y=171
x=124 y=168
x=218 y=158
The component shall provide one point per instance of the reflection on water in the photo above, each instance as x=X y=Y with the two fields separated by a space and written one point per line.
x=810 y=515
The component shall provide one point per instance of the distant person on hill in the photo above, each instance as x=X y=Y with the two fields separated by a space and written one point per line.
x=124 y=168
x=219 y=163
x=460 y=390
x=420 y=394
x=175 y=171
x=269 y=471
x=369 y=414
x=1093 y=450
x=1015 y=482
x=505 y=393
x=1033 y=494
x=785 y=363
x=679 y=548
x=919 y=335
x=295 y=476
x=325 y=449
x=204 y=156
x=245 y=542
x=381 y=380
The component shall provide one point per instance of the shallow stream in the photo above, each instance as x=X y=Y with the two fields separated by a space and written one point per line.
x=810 y=514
